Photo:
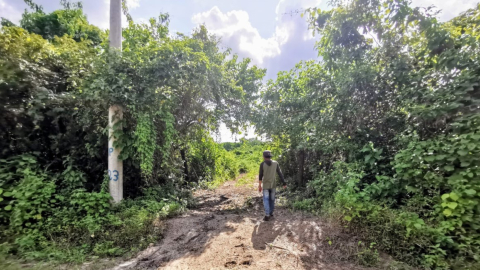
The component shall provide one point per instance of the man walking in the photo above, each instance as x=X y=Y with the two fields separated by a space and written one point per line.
x=268 y=170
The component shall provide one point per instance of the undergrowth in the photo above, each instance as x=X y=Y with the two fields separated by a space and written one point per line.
x=46 y=222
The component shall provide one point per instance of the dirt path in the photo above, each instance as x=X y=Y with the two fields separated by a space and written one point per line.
x=226 y=231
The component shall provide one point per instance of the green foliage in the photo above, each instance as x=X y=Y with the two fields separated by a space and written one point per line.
x=248 y=154
x=70 y=21
x=211 y=163
x=26 y=193
x=385 y=128
x=145 y=143
x=44 y=222
x=369 y=256
x=40 y=111
x=309 y=204
x=226 y=165
x=227 y=159
x=91 y=205
x=58 y=77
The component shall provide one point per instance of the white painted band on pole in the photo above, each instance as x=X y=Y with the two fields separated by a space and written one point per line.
x=115 y=166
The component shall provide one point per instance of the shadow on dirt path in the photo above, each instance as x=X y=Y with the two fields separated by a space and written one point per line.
x=226 y=231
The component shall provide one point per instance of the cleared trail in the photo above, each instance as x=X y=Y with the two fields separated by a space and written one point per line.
x=226 y=231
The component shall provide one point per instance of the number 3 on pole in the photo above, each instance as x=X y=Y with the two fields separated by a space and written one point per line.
x=115 y=175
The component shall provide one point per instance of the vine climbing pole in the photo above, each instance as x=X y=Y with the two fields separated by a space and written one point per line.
x=115 y=112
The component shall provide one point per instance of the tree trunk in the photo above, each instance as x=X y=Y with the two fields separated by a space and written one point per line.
x=301 y=162
x=185 y=164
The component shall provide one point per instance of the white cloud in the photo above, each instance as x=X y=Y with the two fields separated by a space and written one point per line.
x=288 y=16
x=449 y=8
x=132 y=4
x=291 y=35
x=9 y=12
x=237 y=32
x=294 y=36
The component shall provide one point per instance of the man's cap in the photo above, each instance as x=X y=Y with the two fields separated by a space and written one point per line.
x=267 y=153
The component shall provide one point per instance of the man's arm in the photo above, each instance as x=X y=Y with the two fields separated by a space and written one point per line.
x=280 y=174
x=260 y=177
x=260 y=174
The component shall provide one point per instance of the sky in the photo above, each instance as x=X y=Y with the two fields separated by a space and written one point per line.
x=270 y=32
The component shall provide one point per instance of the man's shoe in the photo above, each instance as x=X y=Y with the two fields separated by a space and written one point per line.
x=271 y=215
x=266 y=218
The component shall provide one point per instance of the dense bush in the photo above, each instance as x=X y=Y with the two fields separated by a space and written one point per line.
x=58 y=78
x=211 y=164
x=41 y=219
x=383 y=131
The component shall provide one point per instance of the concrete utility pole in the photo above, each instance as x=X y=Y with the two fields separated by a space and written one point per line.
x=115 y=112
